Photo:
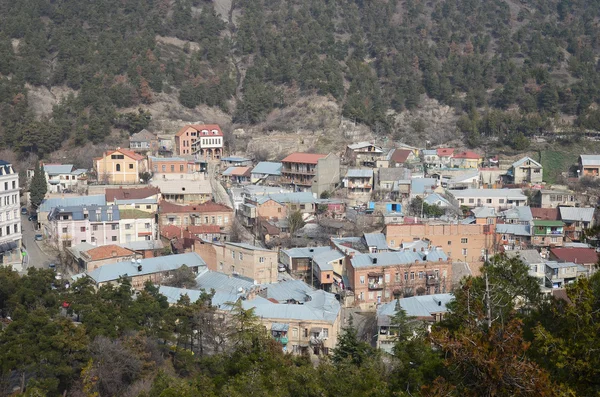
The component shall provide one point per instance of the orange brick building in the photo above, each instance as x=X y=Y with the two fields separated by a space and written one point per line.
x=203 y=140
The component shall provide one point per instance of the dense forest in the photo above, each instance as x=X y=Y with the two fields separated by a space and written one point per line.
x=500 y=338
x=510 y=67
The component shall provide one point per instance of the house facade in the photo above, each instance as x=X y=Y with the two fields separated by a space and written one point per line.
x=380 y=277
x=589 y=165
x=465 y=160
x=10 y=216
x=526 y=170
x=205 y=214
x=143 y=141
x=137 y=225
x=194 y=191
x=256 y=263
x=310 y=172
x=461 y=242
x=62 y=177
x=121 y=166
x=499 y=199
x=547 y=233
x=174 y=165
x=94 y=224
x=577 y=220
x=201 y=140
x=364 y=154
x=359 y=183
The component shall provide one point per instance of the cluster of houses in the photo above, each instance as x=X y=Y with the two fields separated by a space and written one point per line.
x=368 y=236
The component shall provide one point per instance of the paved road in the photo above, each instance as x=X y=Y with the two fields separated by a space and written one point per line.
x=34 y=256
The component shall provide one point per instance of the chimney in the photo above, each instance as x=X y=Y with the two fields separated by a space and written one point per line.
x=139 y=268
x=374 y=260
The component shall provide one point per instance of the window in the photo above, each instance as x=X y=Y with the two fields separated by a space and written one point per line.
x=449 y=242
x=16 y=228
x=93 y=240
x=393 y=243
x=490 y=221
x=117 y=157
x=488 y=201
x=406 y=276
x=147 y=225
x=371 y=295
x=130 y=166
x=362 y=279
x=118 y=167
x=241 y=256
x=128 y=226
x=471 y=201
x=82 y=229
x=302 y=206
x=114 y=238
x=397 y=277
x=114 y=226
x=412 y=275
x=172 y=168
x=295 y=332
x=387 y=278
x=14 y=184
x=148 y=207
x=94 y=228
x=232 y=254
x=421 y=274
x=464 y=252
x=164 y=168
x=306 y=332
x=464 y=241
x=5 y=185
x=261 y=259
x=325 y=333
x=65 y=230
x=554 y=239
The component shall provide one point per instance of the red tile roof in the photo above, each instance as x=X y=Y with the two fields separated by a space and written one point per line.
x=400 y=155
x=576 y=255
x=545 y=214
x=467 y=155
x=209 y=206
x=240 y=171
x=171 y=231
x=445 y=152
x=303 y=158
x=201 y=127
x=130 y=193
x=106 y=252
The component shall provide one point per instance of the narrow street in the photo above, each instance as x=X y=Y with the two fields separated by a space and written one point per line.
x=34 y=255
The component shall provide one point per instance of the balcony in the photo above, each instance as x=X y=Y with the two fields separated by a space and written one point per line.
x=432 y=281
x=300 y=171
x=375 y=286
x=281 y=339
x=296 y=181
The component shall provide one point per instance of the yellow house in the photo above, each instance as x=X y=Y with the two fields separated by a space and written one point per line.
x=120 y=166
x=465 y=160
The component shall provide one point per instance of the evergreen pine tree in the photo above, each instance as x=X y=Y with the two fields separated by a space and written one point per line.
x=349 y=347
x=38 y=188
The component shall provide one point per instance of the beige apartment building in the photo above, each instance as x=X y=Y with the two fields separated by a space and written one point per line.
x=121 y=166
x=460 y=242
x=241 y=259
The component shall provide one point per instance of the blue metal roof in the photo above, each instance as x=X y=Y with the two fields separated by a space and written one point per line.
x=417 y=306
x=234 y=159
x=221 y=282
x=422 y=185
x=509 y=228
x=321 y=306
x=359 y=173
x=58 y=169
x=396 y=258
x=305 y=252
x=323 y=259
x=248 y=247
x=48 y=204
x=267 y=167
x=95 y=213
x=113 y=271
x=376 y=240
x=219 y=299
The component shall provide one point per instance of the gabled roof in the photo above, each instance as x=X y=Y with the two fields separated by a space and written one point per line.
x=112 y=272
x=283 y=198
x=576 y=255
x=400 y=155
x=121 y=193
x=529 y=257
x=324 y=258
x=445 y=152
x=303 y=158
x=220 y=282
x=434 y=199
x=414 y=306
x=237 y=171
x=549 y=214
x=395 y=258
x=171 y=231
x=125 y=152
x=467 y=155
x=522 y=161
x=576 y=214
x=58 y=169
x=268 y=167
x=484 y=212
x=305 y=252
x=142 y=136
x=210 y=129
x=106 y=252
x=6 y=168
x=590 y=159
x=523 y=214
x=362 y=145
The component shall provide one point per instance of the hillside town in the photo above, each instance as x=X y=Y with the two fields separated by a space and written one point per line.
x=307 y=241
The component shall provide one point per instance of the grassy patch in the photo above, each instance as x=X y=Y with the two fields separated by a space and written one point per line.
x=557 y=158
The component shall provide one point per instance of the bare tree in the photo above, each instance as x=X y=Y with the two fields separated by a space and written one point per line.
x=115 y=366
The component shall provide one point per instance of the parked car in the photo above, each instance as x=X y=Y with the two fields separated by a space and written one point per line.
x=39 y=237
x=33 y=218
x=52 y=266
x=281 y=267
x=24 y=211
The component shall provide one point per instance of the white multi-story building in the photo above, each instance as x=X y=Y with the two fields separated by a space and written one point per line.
x=62 y=177
x=10 y=217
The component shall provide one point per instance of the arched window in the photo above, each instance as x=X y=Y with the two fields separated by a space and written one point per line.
x=118 y=167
